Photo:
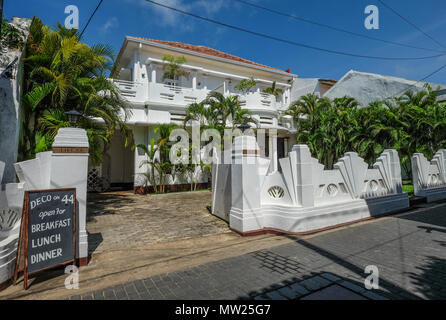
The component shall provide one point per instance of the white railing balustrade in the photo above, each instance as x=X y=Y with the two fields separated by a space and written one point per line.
x=132 y=91
x=174 y=94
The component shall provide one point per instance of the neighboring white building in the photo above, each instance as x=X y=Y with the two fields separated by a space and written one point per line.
x=368 y=87
x=154 y=101
x=304 y=86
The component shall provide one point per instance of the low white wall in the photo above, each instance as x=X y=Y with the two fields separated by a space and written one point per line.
x=303 y=196
x=429 y=177
x=62 y=169
x=11 y=202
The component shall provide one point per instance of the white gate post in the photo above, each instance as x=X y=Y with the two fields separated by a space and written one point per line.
x=69 y=169
x=245 y=214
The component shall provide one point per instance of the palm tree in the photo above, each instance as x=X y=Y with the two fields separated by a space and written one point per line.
x=152 y=162
x=172 y=68
x=308 y=108
x=201 y=113
x=245 y=85
x=274 y=90
x=224 y=111
x=62 y=74
x=158 y=162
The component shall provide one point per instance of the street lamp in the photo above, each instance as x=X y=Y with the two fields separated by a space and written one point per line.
x=73 y=117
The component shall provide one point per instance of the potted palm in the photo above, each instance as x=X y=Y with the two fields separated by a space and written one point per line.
x=172 y=69
x=273 y=90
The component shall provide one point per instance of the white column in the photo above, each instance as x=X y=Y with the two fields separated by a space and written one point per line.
x=205 y=81
x=136 y=67
x=69 y=169
x=194 y=80
x=261 y=141
x=153 y=73
x=273 y=148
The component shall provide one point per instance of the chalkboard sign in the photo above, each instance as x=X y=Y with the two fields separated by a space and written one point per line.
x=48 y=231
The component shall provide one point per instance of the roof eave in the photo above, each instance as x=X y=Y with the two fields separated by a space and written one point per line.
x=164 y=46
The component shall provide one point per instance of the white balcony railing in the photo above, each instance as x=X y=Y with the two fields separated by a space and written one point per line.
x=132 y=91
x=182 y=96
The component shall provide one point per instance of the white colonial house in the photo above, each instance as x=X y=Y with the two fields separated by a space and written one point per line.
x=155 y=101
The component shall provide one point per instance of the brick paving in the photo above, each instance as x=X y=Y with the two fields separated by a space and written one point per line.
x=408 y=249
x=126 y=221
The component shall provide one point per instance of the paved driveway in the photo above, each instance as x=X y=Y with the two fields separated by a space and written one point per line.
x=118 y=221
x=409 y=251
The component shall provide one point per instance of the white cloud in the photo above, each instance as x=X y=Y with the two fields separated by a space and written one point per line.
x=170 y=18
x=109 y=24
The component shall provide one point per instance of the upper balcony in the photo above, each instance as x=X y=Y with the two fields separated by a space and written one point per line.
x=171 y=94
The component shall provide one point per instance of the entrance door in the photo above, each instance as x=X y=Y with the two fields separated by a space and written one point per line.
x=121 y=162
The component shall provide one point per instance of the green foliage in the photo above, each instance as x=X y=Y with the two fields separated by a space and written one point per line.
x=11 y=37
x=408 y=188
x=215 y=112
x=61 y=74
x=245 y=85
x=157 y=158
x=172 y=68
x=414 y=122
x=218 y=111
x=274 y=90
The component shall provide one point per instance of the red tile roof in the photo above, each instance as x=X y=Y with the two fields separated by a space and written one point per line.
x=207 y=51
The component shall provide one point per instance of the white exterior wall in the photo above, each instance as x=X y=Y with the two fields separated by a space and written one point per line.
x=368 y=87
x=429 y=177
x=10 y=114
x=303 y=197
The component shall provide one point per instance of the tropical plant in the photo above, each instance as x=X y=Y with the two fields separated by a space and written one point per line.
x=274 y=90
x=172 y=68
x=227 y=111
x=61 y=74
x=246 y=85
x=413 y=122
x=152 y=163
x=157 y=159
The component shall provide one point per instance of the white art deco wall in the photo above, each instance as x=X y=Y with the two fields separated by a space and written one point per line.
x=302 y=196
x=11 y=202
x=429 y=177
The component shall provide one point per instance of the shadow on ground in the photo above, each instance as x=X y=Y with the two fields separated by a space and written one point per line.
x=432 y=280
x=99 y=204
x=318 y=286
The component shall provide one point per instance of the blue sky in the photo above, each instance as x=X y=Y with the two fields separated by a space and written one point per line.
x=117 y=18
